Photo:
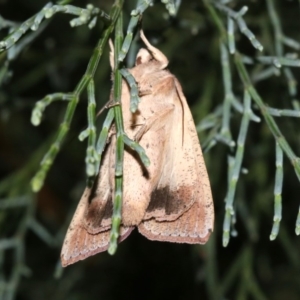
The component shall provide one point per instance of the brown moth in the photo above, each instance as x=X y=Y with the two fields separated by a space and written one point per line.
x=168 y=201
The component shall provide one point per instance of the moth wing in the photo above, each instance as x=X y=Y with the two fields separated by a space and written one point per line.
x=149 y=126
x=181 y=207
x=79 y=243
x=99 y=207
x=189 y=228
x=89 y=231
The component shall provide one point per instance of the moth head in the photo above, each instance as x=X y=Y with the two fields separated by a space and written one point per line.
x=143 y=56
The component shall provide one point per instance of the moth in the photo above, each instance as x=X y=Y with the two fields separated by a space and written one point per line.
x=171 y=199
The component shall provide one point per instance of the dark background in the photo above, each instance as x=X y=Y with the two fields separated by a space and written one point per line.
x=251 y=267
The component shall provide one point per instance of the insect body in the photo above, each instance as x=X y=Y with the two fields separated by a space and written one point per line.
x=168 y=201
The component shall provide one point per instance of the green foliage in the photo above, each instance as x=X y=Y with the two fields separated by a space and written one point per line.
x=238 y=66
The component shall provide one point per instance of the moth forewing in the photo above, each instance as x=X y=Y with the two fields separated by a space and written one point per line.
x=138 y=181
x=206 y=200
x=181 y=207
x=173 y=193
x=89 y=231
x=97 y=217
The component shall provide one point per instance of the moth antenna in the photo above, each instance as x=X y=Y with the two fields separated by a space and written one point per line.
x=111 y=54
x=157 y=54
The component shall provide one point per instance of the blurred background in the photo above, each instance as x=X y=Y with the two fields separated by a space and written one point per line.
x=32 y=226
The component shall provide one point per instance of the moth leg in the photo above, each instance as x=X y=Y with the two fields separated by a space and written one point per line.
x=155 y=122
x=111 y=54
x=112 y=131
x=145 y=92
x=157 y=54
x=109 y=104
